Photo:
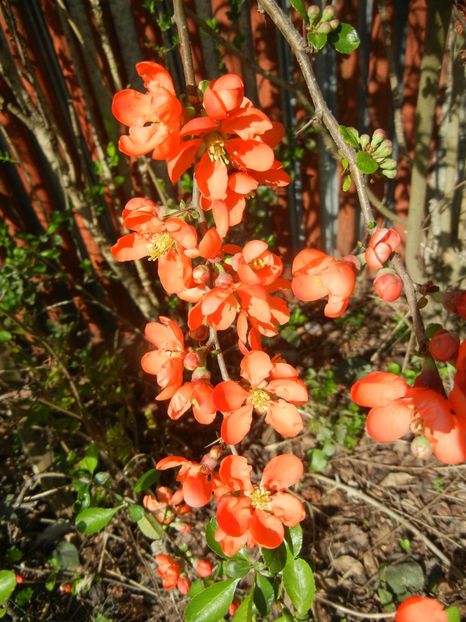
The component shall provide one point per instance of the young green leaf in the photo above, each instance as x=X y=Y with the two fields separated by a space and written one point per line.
x=317 y=39
x=7 y=585
x=299 y=6
x=92 y=520
x=237 y=568
x=453 y=614
x=345 y=39
x=90 y=461
x=146 y=480
x=366 y=163
x=211 y=604
x=350 y=136
x=300 y=586
x=150 y=527
x=136 y=512
x=346 y=183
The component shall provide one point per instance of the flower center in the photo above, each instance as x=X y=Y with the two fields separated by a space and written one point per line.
x=260 y=498
x=160 y=245
x=216 y=148
x=258 y=263
x=417 y=425
x=260 y=399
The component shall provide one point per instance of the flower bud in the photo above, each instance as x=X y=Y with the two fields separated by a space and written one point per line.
x=199 y=334
x=421 y=448
x=334 y=24
x=324 y=28
x=183 y=584
x=313 y=13
x=192 y=360
x=364 y=140
x=201 y=274
x=377 y=137
x=204 y=568
x=223 y=280
x=328 y=13
x=384 y=149
x=388 y=164
x=233 y=607
x=388 y=287
x=200 y=373
x=444 y=346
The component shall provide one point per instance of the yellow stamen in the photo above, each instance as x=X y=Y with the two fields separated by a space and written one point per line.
x=260 y=498
x=260 y=399
x=257 y=264
x=216 y=148
x=160 y=245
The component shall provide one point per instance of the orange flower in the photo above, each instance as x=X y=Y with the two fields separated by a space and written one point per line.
x=170 y=241
x=204 y=568
x=317 y=275
x=196 y=478
x=167 y=505
x=256 y=265
x=154 y=117
x=166 y=362
x=381 y=245
x=388 y=287
x=197 y=394
x=259 y=512
x=226 y=212
x=169 y=570
x=233 y=137
x=416 y=608
x=274 y=390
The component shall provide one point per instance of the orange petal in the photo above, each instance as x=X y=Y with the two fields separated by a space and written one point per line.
x=236 y=425
x=308 y=287
x=165 y=334
x=152 y=362
x=251 y=154
x=223 y=95
x=247 y=123
x=417 y=609
x=450 y=448
x=130 y=247
x=390 y=422
x=289 y=510
x=290 y=389
x=235 y=473
x=266 y=529
x=170 y=462
x=174 y=272
x=378 y=389
x=284 y=419
x=211 y=177
x=282 y=472
x=198 y=125
x=229 y=395
x=180 y=163
x=155 y=76
x=256 y=367
x=131 y=107
x=234 y=514
x=197 y=490
x=242 y=183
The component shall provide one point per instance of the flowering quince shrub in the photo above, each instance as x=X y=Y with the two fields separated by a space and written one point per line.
x=255 y=533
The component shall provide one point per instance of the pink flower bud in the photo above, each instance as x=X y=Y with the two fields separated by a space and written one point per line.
x=204 y=568
x=183 y=584
x=200 y=373
x=444 y=345
x=201 y=274
x=388 y=286
x=223 y=280
x=381 y=245
x=192 y=360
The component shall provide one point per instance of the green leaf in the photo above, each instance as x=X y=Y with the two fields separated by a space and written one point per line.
x=404 y=577
x=90 y=461
x=237 y=568
x=345 y=39
x=147 y=479
x=244 y=611
x=285 y=617
x=453 y=614
x=5 y=336
x=317 y=39
x=366 y=163
x=300 y=586
x=196 y=587
x=350 y=136
x=7 y=585
x=136 y=512
x=23 y=597
x=92 y=520
x=299 y=6
x=275 y=559
x=101 y=477
x=294 y=539
x=67 y=555
x=318 y=460
x=264 y=595
x=150 y=527
x=210 y=539
x=346 y=183
x=211 y=604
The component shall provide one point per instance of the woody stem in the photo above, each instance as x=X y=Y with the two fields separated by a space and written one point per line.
x=323 y=113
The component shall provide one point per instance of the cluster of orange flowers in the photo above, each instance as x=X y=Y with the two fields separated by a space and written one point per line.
x=230 y=144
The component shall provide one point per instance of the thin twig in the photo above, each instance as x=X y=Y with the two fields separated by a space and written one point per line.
x=356 y=614
x=185 y=45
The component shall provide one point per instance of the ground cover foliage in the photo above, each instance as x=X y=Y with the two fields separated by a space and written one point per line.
x=89 y=524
